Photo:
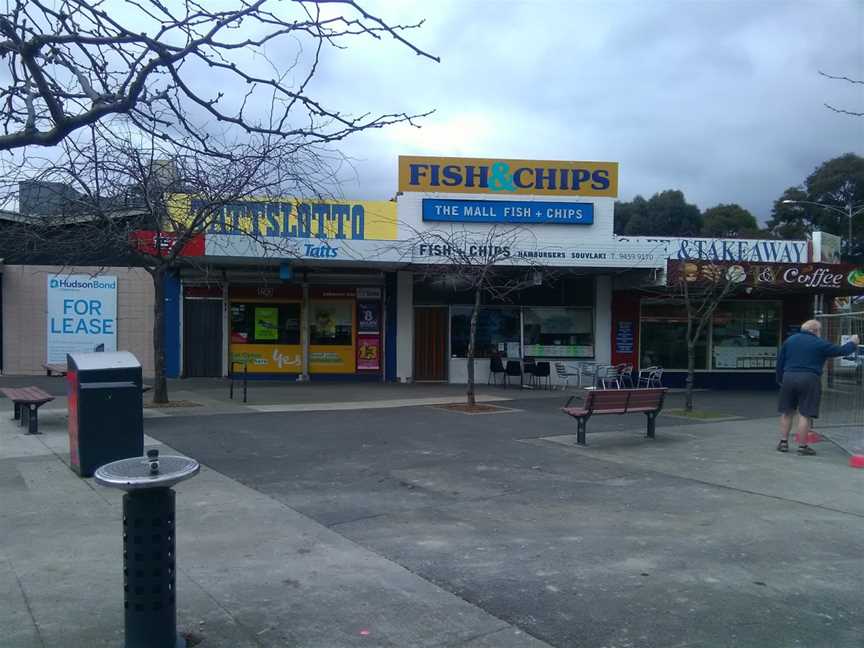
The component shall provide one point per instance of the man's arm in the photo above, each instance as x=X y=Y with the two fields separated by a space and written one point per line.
x=781 y=357
x=835 y=350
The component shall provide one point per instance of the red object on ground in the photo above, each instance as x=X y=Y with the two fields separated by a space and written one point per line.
x=812 y=437
x=856 y=461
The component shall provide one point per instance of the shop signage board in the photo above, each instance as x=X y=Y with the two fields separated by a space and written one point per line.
x=367 y=316
x=713 y=249
x=507 y=211
x=624 y=337
x=507 y=177
x=841 y=278
x=81 y=315
x=295 y=218
x=369 y=352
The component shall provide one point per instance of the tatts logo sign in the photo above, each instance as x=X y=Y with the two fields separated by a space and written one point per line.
x=507 y=177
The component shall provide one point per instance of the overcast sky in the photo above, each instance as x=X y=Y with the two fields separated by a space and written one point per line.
x=722 y=100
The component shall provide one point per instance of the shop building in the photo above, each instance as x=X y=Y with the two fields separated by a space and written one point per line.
x=359 y=290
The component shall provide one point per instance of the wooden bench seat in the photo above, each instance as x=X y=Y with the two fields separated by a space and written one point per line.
x=616 y=401
x=26 y=402
x=51 y=369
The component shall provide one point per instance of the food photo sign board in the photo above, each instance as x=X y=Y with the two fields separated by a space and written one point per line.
x=842 y=278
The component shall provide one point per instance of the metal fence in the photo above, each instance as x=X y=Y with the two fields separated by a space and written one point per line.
x=842 y=411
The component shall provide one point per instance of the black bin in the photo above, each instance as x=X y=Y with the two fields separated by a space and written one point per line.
x=105 y=409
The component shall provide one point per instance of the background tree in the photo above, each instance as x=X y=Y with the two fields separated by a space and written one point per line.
x=480 y=264
x=837 y=183
x=729 y=221
x=627 y=211
x=177 y=68
x=666 y=214
x=142 y=204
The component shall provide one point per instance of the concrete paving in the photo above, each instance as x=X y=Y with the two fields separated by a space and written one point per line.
x=418 y=526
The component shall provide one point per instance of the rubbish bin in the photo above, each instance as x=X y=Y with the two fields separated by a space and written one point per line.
x=105 y=409
x=149 y=545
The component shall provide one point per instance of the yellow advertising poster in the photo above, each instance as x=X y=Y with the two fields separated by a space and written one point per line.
x=331 y=359
x=507 y=177
x=289 y=218
x=267 y=358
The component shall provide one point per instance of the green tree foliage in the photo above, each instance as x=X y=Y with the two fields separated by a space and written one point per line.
x=665 y=214
x=729 y=221
x=625 y=211
x=838 y=183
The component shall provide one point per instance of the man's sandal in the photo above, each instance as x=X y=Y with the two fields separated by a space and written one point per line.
x=783 y=446
x=806 y=450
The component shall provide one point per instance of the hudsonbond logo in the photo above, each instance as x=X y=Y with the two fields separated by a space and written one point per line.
x=534 y=177
x=77 y=283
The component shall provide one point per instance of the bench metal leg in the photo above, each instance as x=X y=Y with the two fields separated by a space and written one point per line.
x=33 y=419
x=651 y=416
x=580 y=431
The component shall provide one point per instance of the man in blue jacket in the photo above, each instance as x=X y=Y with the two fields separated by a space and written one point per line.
x=799 y=374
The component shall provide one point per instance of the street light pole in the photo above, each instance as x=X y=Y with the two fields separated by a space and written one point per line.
x=850 y=212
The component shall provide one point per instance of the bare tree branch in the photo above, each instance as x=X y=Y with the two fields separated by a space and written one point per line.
x=73 y=63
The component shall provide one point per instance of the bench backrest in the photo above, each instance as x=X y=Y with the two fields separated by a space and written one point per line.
x=624 y=399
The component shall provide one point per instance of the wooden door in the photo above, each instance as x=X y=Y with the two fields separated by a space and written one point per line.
x=202 y=338
x=430 y=343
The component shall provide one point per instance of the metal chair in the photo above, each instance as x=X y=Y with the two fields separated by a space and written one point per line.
x=543 y=370
x=606 y=376
x=496 y=367
x=564 y=376
x=645 y=376
x=589 y=371
x=625 y=375
x=529 y=368
x=656 y=379
x=513 y=369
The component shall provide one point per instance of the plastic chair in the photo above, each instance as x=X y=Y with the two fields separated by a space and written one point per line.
x=496 y=367
x=513 y=369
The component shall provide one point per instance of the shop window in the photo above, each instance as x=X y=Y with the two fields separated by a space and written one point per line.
x=497 y=332
x=331 y=323
x=265 y=323
x=746 y=335
x=663 y=338
x=559 y=332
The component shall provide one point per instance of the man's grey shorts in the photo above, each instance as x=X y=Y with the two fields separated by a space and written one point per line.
x=800 y=390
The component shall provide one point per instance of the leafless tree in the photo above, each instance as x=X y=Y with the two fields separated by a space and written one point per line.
x=482 y=263
x=847 y=79
x=146 y=204
x=701 y=287
x=177 y=67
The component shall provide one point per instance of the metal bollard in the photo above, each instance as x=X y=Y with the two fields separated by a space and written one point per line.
x=149 y=539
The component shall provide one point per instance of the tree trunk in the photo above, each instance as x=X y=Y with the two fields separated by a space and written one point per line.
x=160 y=384
x=471 y=336
x=691 y=375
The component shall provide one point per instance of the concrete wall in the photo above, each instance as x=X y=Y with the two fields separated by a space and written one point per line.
x=24 y=315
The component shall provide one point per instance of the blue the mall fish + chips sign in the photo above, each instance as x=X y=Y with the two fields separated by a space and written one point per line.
x=507 y=211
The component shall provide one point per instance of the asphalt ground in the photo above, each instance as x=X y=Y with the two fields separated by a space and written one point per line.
x=704 y=537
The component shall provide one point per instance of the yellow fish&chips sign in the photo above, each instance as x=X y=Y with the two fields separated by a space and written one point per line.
x=507 y=177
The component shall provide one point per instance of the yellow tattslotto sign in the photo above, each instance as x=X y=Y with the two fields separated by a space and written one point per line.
x=507 y=177
x=292 y=218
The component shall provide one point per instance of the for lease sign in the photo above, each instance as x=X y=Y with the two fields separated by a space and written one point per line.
x=81 y=315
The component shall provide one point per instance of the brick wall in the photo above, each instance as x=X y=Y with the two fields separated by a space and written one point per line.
x=25 y=310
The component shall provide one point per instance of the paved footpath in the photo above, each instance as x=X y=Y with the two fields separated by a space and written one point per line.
x=251 y=571
x=414 y=526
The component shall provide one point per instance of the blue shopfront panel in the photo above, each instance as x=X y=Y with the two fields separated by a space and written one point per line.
x=512 y=212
